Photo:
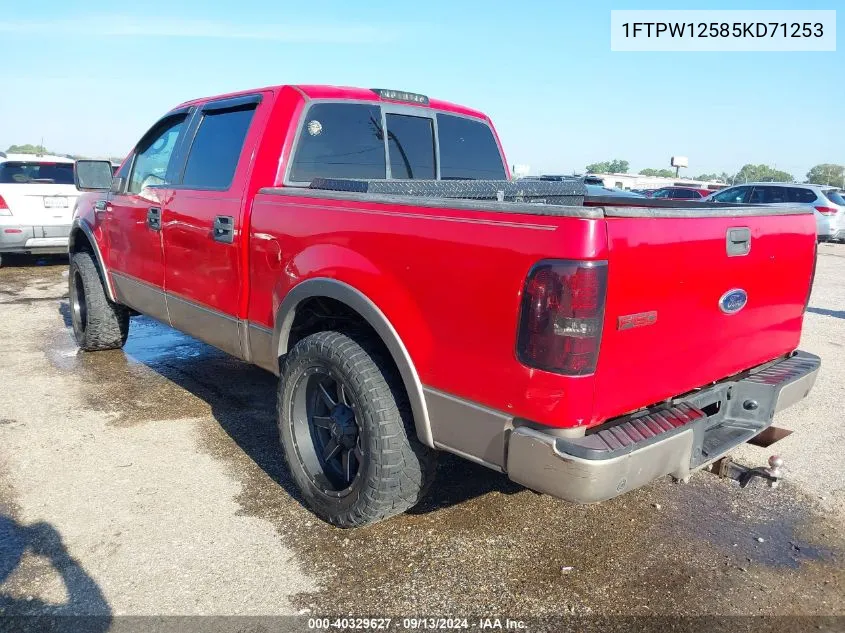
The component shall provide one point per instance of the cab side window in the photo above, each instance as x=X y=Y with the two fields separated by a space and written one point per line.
x=217 y=147
x=152 y=156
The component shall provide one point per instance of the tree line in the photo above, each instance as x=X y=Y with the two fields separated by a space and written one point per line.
x=823 y=174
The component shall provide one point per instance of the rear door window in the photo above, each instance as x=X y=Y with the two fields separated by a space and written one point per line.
x=662 y=193
x=468 y=150
x=410 y=142
x=36 y=172
x=685 y=194
x=340 y=140
x=217 y=147
x=800 y=194
x=768 y=195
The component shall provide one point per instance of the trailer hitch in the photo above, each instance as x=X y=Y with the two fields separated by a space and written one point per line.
x=729 y=469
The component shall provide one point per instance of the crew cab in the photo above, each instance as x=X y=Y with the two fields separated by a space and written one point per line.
x=37 y=194
x=368 y=247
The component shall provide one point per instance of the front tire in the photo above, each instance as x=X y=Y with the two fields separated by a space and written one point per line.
x=98 y=324
x=347 y=431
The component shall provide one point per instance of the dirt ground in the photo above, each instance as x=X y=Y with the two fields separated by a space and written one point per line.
x=149 y=481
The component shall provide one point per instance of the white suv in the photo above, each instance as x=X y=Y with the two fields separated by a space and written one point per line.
x=827 y=202
x=37 y=196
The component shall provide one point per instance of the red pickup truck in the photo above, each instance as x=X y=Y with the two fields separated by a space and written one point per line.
x=368 y=247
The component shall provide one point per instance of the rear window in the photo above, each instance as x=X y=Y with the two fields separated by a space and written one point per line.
x=24 y=172
x=346 y=140
x=835 y=197
x=340 y=140
x=410 y=141
x=468 y=150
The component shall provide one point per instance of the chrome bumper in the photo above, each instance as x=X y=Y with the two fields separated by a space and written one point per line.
x=627 y=453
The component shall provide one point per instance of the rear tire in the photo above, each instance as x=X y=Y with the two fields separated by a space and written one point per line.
x=98 y=323
x=347 y=431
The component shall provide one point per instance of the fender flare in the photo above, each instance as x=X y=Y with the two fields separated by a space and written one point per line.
x=80 y=224
x=358 y=301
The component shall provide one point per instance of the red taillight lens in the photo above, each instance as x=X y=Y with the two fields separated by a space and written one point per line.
x=826 y=210
x=3 y=204
x=561 y=318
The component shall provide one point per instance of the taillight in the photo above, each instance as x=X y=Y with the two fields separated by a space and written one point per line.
x=826 y=210
x=4 y=208
x=561 y=318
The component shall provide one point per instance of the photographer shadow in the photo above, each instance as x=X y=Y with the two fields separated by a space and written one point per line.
x=84 y=611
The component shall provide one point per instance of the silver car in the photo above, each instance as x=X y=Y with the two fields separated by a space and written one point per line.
x=827 y=202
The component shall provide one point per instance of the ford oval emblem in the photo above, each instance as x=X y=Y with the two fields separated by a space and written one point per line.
x=733 y=301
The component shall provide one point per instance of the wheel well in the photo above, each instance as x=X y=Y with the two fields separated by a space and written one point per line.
x=318 y=314
x=80 y=242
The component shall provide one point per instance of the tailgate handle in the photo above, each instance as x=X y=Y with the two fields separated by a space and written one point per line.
x=738 y=242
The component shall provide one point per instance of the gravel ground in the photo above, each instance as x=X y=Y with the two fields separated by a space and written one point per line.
x=149 y=481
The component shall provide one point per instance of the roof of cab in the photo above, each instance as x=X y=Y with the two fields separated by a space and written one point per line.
x=344 y=93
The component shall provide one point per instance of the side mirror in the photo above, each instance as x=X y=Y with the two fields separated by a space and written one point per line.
x=92 y=175
x=117 y=184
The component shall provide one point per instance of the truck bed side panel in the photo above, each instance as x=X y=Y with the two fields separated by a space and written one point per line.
x=448 y=280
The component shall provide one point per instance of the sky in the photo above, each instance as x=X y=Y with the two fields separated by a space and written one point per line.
x=91 y=77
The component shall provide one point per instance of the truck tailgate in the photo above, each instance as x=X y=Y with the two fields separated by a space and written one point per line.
x=665 y=330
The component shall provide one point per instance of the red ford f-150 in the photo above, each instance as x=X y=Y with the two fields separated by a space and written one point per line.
x=368 y=247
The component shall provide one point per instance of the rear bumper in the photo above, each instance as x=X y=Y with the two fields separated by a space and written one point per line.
x=35 y=239
x=630 y=452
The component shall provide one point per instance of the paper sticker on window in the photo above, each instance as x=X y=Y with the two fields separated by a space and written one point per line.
x=314 y=127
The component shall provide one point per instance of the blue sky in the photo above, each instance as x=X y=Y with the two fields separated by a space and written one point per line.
x=91 y=80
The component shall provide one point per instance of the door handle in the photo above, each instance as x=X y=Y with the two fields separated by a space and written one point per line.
x=154 y=218
x=224 y=229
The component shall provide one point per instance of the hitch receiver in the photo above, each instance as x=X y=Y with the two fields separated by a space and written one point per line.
x=729 y=469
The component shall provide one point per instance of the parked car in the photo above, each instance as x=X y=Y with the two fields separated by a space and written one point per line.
x=37 y=194
x=584 y=351
x=680 y=193
x=827 y=203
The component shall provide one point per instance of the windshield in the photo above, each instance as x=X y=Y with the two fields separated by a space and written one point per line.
x=25 y=172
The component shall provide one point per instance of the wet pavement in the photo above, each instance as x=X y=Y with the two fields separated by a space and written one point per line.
x=158 y=469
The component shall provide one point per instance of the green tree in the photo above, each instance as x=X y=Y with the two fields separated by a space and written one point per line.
x=615 y=166
x=761 y=173
x=827 y=174
x=661 y=173
x=27 y=149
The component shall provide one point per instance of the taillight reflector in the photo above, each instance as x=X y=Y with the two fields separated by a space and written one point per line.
x=826 y=210
x=561 y=318
x=12 y=231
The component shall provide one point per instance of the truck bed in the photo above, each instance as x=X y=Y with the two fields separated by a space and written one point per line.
x=438 y=263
